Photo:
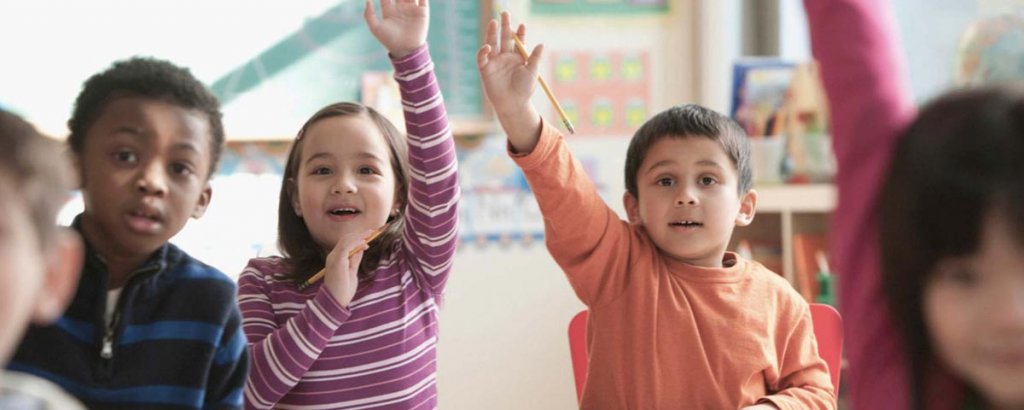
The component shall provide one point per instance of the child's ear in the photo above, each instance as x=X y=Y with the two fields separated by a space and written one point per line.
x=748 y=207
x=293 y=194
x=204 y=201
x=63 y=266
x=632 y=206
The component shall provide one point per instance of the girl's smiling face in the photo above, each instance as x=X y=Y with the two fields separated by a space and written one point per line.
x=345 y=180
x=974 y=311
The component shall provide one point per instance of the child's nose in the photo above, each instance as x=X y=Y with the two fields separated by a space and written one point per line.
x=152 y=180
x=344 y=184
x=686 y=198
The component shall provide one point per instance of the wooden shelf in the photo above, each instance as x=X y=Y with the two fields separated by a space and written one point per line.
x=796 y=198
x=784 y=211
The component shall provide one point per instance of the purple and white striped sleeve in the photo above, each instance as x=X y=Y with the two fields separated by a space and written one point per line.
x=281 y=355
x=431 y=230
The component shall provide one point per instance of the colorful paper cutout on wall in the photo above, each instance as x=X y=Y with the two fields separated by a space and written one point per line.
x=604 y=94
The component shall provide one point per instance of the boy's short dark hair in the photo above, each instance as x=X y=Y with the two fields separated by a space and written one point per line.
x=151 y=78
x=956 y=164
x=35 y=167
x=689 y=121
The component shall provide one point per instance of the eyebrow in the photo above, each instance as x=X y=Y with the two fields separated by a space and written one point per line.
x=667 y=162
x=364 y=154
x=137 y=133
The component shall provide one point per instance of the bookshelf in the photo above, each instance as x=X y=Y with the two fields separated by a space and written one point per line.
x=783 y=212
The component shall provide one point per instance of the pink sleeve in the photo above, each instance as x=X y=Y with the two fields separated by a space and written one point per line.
x=863 y=76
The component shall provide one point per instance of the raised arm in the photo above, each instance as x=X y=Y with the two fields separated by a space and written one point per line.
x=863 y=77
x=431 y=229
x=585 y=237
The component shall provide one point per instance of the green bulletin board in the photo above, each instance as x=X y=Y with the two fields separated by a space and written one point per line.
x=598 y=6
x=323 y=61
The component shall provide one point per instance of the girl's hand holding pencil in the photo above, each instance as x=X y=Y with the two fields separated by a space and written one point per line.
x=340 y=274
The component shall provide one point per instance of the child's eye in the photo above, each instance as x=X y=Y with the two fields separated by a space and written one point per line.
x=959 y=276
x=179 y=168
x=367 y=171
x=321 y=171
x=126 y=156
x=707 y=180
x=665 y=181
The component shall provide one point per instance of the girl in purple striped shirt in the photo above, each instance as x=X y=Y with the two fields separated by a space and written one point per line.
x=365 y=336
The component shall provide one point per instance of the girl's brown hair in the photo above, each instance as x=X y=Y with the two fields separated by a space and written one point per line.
x=293 y=237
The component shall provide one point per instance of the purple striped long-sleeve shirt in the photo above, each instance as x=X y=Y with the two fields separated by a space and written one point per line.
x=309 y=352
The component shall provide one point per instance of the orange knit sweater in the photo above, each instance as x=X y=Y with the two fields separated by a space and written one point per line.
x=664 y=334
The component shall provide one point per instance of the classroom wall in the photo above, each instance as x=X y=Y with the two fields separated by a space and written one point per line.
x=930 y=31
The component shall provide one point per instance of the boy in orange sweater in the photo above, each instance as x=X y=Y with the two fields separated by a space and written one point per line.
x=675 y=320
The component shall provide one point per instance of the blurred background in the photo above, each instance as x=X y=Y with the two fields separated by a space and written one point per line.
x=612 y=64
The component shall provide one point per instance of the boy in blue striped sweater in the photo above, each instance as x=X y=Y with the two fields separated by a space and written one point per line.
x=149 y=326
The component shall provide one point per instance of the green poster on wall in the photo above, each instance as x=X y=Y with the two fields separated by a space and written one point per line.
x=598 y=6
x=324 y=61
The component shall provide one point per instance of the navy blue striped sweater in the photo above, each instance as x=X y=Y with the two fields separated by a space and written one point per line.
x=176 y=342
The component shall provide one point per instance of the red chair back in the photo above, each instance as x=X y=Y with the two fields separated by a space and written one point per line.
x=578 y=350
x=828 y=329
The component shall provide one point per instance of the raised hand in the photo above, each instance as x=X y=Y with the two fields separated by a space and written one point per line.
x=341 y=271
x=403 y=26
x=509 y=83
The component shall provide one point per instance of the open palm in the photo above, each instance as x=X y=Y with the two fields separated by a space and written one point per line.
x=508 y=80
x=403 y=24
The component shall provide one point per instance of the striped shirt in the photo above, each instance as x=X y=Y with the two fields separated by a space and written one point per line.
x=309 y=352
x=175 y=341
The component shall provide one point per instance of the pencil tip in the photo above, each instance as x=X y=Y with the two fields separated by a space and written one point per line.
x=568 y=126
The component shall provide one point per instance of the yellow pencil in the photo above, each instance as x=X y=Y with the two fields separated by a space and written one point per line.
x=544 y=85
x=320 y=275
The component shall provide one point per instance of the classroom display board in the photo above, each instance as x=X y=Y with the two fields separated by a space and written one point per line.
x=598 y=6
x=603 y=93
x=324 y=62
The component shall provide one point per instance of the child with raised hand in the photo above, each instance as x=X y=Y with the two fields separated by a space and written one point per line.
x=675 y=320
x=149 y=327
x=39 y=261
x=365 y=336
x=927 y=239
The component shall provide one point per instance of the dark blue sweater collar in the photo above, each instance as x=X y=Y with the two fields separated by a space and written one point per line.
x=156 y=262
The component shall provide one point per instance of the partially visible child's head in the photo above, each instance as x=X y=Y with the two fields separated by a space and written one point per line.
x=347 y=172
x=39 y=261
x=952 y=235
x=147 y=136
x=688 y=182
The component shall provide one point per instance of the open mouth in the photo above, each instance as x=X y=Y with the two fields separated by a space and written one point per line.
x=139 y=213
x=145 y=221
x=687 y=224
x=343 y=211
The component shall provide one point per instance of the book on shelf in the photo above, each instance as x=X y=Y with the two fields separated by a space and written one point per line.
x=809 y=261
